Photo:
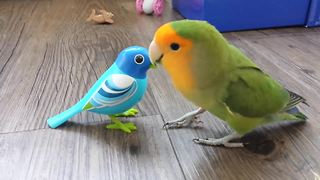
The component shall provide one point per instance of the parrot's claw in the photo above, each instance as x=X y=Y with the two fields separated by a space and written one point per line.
x=189 y=119
x=129 y=113
x=179 y=123
x=225 y=141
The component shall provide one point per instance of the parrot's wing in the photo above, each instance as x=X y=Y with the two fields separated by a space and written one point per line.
x=115 y=90
x=253 y=93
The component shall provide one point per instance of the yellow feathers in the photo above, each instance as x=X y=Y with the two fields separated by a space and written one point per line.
x=178 y=62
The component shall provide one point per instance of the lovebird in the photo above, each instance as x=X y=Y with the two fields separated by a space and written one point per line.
x=220 y=79
x=116 y=91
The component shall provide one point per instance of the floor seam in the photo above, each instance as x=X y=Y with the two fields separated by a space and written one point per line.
x=23 y=131
x=14 y=49
x=169 y=137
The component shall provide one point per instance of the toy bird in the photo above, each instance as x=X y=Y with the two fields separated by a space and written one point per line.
x=150 y=6
x=219 y=78
x=116 y=91
x=102 y=17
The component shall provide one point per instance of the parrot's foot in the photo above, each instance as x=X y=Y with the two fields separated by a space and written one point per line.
x=126 y=127
x=130 y=113
x=186 y=120
x=225 y=141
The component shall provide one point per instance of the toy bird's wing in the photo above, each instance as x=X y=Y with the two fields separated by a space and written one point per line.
x=115 y=90
x=253 y=93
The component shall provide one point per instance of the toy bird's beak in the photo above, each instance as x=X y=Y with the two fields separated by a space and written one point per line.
x=155 y=54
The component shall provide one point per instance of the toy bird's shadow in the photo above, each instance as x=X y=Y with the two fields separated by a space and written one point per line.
x=111 y=139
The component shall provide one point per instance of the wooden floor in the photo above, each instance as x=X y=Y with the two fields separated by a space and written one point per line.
x=49 y=57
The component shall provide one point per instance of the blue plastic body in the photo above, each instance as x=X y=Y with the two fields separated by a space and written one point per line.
x=314 y=14
x=231 y=15
x=61 y=118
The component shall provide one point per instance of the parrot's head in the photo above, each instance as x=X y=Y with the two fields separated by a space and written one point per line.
x=134 y=61
x=168 y=45
x=182 y=45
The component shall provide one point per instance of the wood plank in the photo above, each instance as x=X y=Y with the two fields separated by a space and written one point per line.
x=59 y=56
x=90 y=152
x=269 y=33
x=12 y=26
x=290 y=31
x=298 y=50
x=56 y=58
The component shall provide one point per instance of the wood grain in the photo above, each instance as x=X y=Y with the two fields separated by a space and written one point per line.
x=49 y=58
x=59 y=56
x=90 y=152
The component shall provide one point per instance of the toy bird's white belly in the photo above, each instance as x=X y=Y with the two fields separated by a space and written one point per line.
x=124 y=106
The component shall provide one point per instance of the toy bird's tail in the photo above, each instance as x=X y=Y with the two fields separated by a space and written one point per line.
x=63 y=117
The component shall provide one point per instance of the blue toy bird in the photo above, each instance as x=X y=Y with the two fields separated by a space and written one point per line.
x=116 y=91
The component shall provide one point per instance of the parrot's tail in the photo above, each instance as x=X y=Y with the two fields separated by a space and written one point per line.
x=291 y=108
x=63 y=117
x=295 y=99
x=299 y=115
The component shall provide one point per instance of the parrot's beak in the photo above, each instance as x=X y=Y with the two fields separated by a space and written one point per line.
x=155 y=54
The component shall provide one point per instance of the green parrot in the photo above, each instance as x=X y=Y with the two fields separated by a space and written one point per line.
x=220 y=79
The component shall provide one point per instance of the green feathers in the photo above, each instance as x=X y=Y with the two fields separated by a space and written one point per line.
x=254 y=94
x=230 y=85
x=185 y=28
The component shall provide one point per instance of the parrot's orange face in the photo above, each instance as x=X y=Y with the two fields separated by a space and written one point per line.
x=174 y=52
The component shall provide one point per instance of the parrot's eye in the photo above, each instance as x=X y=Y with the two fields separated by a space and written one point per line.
x=138 y=59
x=175 y=46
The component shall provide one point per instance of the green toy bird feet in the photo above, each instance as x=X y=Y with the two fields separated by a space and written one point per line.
x=129 y=113
x=125 y=127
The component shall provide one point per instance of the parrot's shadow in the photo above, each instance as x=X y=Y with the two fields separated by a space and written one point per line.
x=268 y=142
x=115 y=139
x=263 y=144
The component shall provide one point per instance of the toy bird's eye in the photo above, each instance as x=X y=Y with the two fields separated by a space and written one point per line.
x=139 y=59
x=175 y=46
